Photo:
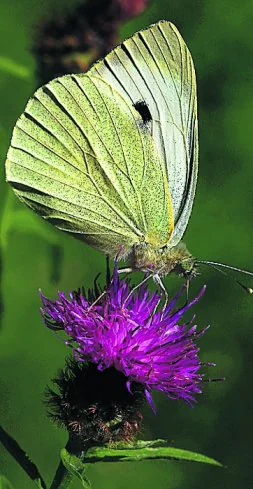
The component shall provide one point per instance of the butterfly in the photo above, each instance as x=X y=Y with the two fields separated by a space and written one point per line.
x=111 y=156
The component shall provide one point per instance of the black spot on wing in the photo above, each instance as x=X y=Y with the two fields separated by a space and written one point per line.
x=144 y=111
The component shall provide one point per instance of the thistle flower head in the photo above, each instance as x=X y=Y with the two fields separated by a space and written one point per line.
x=127 y=330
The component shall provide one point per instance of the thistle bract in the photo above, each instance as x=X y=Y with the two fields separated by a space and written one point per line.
x=94 y=406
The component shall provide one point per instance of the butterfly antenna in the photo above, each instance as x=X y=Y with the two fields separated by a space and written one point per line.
x=216 y=266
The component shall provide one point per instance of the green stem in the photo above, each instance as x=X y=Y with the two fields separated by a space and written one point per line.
x=63 y=478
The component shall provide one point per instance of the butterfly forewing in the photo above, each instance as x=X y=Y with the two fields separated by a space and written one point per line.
x=155 y=67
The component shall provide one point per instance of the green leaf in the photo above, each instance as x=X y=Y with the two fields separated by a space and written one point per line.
x=5 y=483
x=138 y=444
x=13 y=68
x=76 y=467
x=109 y=454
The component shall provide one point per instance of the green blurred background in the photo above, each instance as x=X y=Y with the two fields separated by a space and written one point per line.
x=219 y=35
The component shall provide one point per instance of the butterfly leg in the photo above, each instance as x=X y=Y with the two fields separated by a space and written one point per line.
x=108 y=280
x=162 y=288
x=137 y=286
x=97 y=299
x=187 y=288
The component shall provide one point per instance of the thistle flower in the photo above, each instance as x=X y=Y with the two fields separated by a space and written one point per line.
x=127 y=330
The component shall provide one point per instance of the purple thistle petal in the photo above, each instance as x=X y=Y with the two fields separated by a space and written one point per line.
x=150 y=400
x=129 y=331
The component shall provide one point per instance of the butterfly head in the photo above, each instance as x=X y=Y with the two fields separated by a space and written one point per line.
x=186 y=268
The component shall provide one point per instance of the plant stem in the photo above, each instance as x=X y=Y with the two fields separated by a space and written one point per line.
x=63 y=478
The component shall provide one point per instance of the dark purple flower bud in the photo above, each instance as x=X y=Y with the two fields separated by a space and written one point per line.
x=72 y=42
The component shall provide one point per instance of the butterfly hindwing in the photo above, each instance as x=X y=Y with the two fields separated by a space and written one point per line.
x=80 y=158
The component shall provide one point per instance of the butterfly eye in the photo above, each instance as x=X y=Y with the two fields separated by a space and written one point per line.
x=143 y=110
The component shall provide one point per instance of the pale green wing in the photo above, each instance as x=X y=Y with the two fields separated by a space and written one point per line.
x=153 y=70
x=79 y=158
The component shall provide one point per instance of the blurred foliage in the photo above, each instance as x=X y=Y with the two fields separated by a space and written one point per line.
x=219 y=35
x=4 y=483
x=10 y=67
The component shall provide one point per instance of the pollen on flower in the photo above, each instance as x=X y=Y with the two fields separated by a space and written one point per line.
x=129 y=331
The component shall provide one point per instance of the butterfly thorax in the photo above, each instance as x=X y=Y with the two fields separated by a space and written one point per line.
x=164 y=260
